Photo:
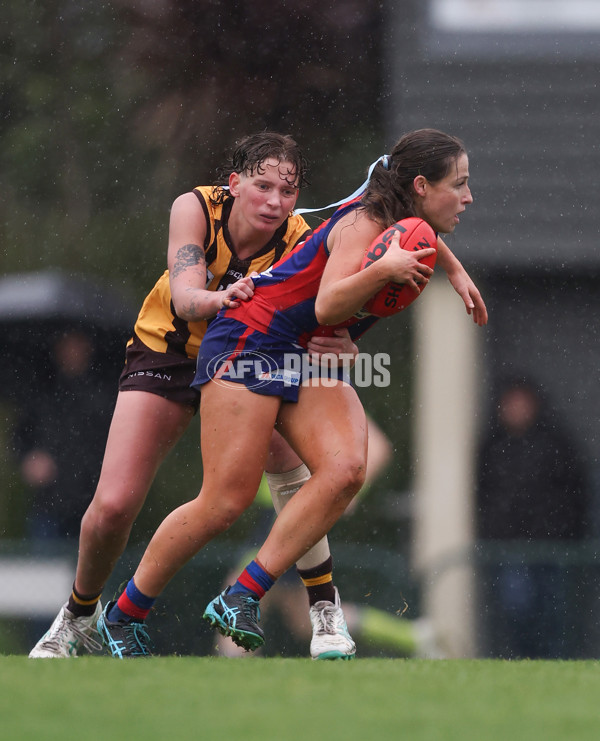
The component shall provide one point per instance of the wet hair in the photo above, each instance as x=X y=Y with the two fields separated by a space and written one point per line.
x=251 y=153
x=389 y=196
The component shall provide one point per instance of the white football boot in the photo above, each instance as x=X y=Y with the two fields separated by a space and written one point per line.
x=68 y=635
x=330 y=638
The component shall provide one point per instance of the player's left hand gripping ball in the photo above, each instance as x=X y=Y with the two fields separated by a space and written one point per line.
x=415 y=234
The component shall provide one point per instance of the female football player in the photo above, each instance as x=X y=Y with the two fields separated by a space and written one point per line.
x=217 y=237
x=319 y=283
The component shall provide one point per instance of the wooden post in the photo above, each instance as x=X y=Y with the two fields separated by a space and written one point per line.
x=445 y=416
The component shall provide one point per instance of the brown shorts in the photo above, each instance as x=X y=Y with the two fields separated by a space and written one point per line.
x=165 y=374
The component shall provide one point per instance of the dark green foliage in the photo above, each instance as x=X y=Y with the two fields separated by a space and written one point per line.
x=110 y=110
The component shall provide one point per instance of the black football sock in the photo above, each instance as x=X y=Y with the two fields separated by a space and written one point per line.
x=82 y=605
x=319 y=582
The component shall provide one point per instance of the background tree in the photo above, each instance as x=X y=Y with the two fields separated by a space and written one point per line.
x=110 y=110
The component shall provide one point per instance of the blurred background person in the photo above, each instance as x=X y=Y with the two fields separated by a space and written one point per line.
x=531 y=494
x=59 y=436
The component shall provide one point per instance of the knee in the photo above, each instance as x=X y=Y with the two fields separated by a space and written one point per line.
x=347 y=475
x=225 y=519
x=239 y=502
x=353 y=475
x=222 y=513
x=106 y=516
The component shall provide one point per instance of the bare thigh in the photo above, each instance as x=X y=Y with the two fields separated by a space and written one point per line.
x=144 y=428
x=236 y=431
x=327 y=427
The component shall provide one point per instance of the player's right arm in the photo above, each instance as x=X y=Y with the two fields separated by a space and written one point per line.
x=344 y=286
x=187 y=265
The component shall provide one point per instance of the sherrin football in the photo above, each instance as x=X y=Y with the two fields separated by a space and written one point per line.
x=415 y=234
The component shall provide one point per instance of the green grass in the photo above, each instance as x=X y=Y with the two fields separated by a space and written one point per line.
x=279 y=699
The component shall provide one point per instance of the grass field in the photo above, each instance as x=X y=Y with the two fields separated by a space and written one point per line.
x=279 y=699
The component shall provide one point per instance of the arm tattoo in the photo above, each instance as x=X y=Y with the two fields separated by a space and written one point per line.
x=188 y=256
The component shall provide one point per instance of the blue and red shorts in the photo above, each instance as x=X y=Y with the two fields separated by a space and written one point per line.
x=264 y=364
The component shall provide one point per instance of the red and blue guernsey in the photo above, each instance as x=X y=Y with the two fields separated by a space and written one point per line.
x=269 y=331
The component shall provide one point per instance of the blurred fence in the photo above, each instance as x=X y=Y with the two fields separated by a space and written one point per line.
x=33 y=586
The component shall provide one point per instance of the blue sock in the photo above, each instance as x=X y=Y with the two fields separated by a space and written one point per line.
x=131 y=605
x=253 y=579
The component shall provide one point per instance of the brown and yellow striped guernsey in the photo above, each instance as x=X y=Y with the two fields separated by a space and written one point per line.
x=159 y=327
